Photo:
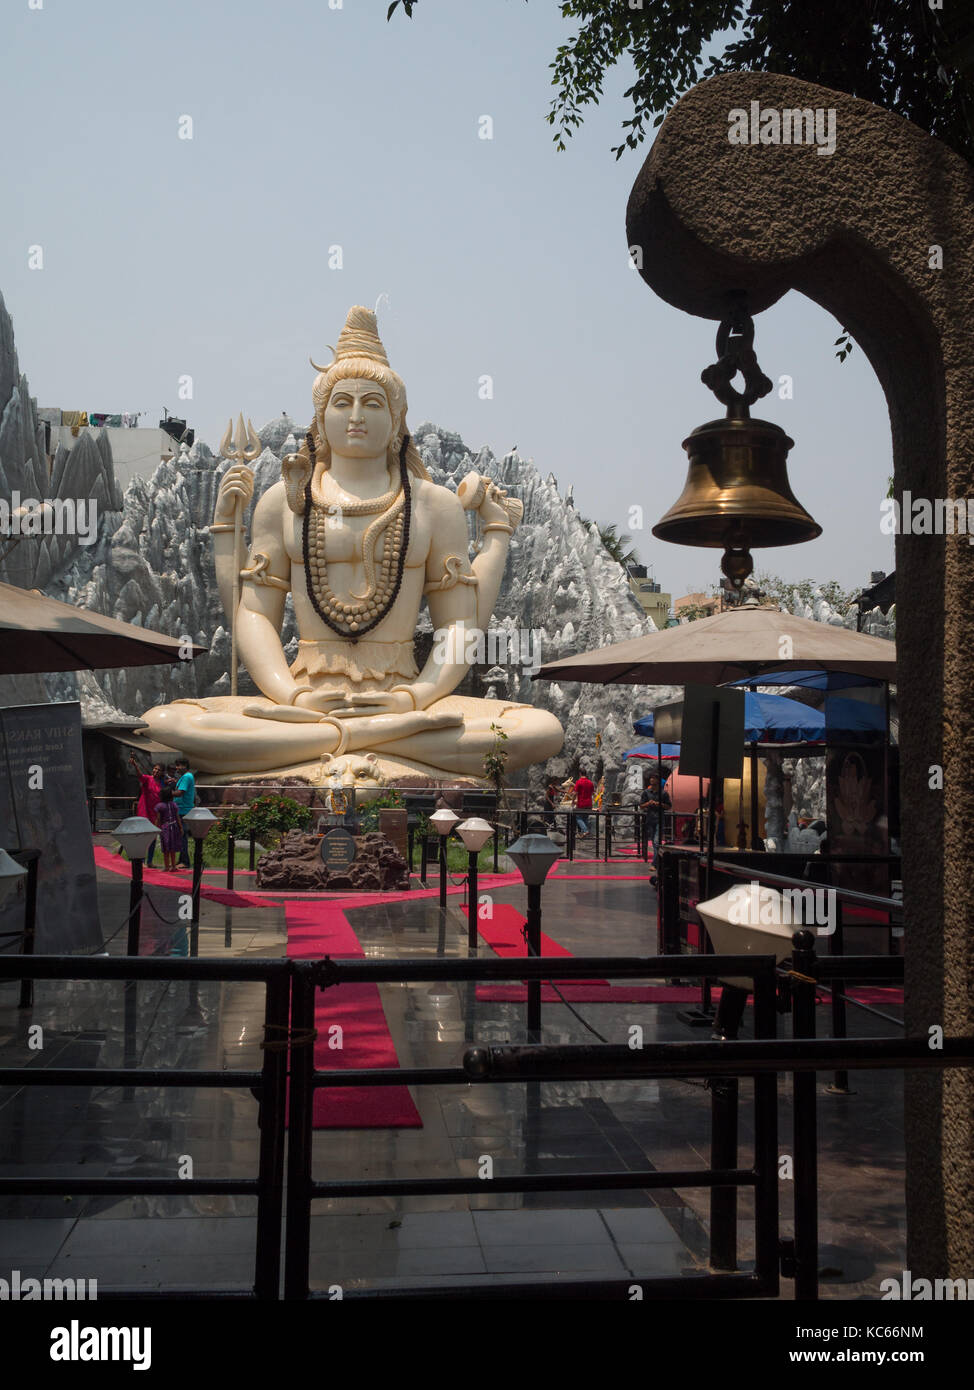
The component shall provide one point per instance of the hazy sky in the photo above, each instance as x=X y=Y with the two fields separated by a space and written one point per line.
x=315 y=127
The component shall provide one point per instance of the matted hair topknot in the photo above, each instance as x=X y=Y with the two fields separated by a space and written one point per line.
x=359 y=353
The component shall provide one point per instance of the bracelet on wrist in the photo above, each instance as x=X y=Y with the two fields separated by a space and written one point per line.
x=498 y=526
x=301 y=690
x=404 y=690
x=222 y=526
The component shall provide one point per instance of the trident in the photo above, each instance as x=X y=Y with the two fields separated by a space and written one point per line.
x=245 y=449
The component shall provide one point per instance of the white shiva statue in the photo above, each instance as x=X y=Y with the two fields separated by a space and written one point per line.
x=358 y=533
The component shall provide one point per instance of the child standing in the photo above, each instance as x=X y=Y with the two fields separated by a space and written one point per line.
x=170 y=827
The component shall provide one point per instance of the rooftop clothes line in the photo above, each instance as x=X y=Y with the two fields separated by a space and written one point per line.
x=77 y=420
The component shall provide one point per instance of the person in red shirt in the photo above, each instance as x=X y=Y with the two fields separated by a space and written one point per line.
x=150 y=790
x=584 y=792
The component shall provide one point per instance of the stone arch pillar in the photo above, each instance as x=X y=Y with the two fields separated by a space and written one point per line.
x=853 y=231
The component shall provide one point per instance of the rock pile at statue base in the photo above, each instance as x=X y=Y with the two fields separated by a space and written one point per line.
x=297 y=866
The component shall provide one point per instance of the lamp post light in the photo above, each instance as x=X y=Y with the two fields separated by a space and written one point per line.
x=135 y=835
x=198 y=823
x=474 y=833
x=443 y=821
x=534 y=855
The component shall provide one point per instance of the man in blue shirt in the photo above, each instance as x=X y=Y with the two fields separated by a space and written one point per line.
x=185 y=799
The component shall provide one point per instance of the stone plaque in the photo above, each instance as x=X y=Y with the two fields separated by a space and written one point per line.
x=393 y=825
x=337 y=849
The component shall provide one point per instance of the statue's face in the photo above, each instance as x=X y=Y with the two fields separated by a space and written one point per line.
x=357 y=419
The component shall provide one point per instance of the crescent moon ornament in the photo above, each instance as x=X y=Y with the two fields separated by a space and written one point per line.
x=334 y=354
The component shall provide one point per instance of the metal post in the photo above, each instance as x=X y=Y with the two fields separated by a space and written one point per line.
x=271 y=1099
x=766 y=1140
x=472 y=899
x=723 y=1137
x=131 y=986
x=443 y=872
x=30 y=925
x=805 y=1122
x=194 y=932
x=534 y=949
x=231 y=855
x=598 y=817
x=705 y=1003
x=423 y=850
x=253 y=849
x=300 y=1118
x=410 y=837
x=497 y=836
x=840 y=1081
x=755 y=813
x=608 y=836
x=135 y=908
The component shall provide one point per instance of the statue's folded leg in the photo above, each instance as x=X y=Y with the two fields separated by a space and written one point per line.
x=223 y=740
x=453 y=736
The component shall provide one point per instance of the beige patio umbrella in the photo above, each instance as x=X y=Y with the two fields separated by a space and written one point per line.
x=741 y=642
x=38 y=633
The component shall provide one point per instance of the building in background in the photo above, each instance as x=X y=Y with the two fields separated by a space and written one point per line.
x=136 y=450
x=654 y=603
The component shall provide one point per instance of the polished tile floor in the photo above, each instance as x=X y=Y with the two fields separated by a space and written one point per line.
x=386 y=1242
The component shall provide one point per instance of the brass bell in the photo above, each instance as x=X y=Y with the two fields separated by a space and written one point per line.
x=736 y=493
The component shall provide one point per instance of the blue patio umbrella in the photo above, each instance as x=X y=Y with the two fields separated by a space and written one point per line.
x=664 y=752
x=777 y=719
x=767 y=719
x=843 y=716
x=807 y=680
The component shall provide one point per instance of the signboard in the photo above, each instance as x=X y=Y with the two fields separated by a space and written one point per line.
x=393 y=825
x=43 y=807
x=337 y=849
x=690 y=723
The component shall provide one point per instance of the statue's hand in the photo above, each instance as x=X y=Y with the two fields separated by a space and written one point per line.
x=237 y=482
x=321 y=701
x=308 y=708
x=374 y=702
x=497 y=507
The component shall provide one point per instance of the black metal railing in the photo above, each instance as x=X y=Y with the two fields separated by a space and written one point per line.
x=291 y=988
x=269 y=1083
x=303 y=1189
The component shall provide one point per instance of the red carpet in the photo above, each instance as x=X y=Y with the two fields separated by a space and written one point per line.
x=503 y=934
x=182 y=881
x=321 y=929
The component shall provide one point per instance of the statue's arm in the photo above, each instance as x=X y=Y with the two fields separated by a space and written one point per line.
x=453 y=607
x=499 y=515
x=265 y=579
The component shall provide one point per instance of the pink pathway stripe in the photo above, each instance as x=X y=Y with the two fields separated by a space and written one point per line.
x=322 y=929
x=159 y=878
x=503 y=934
